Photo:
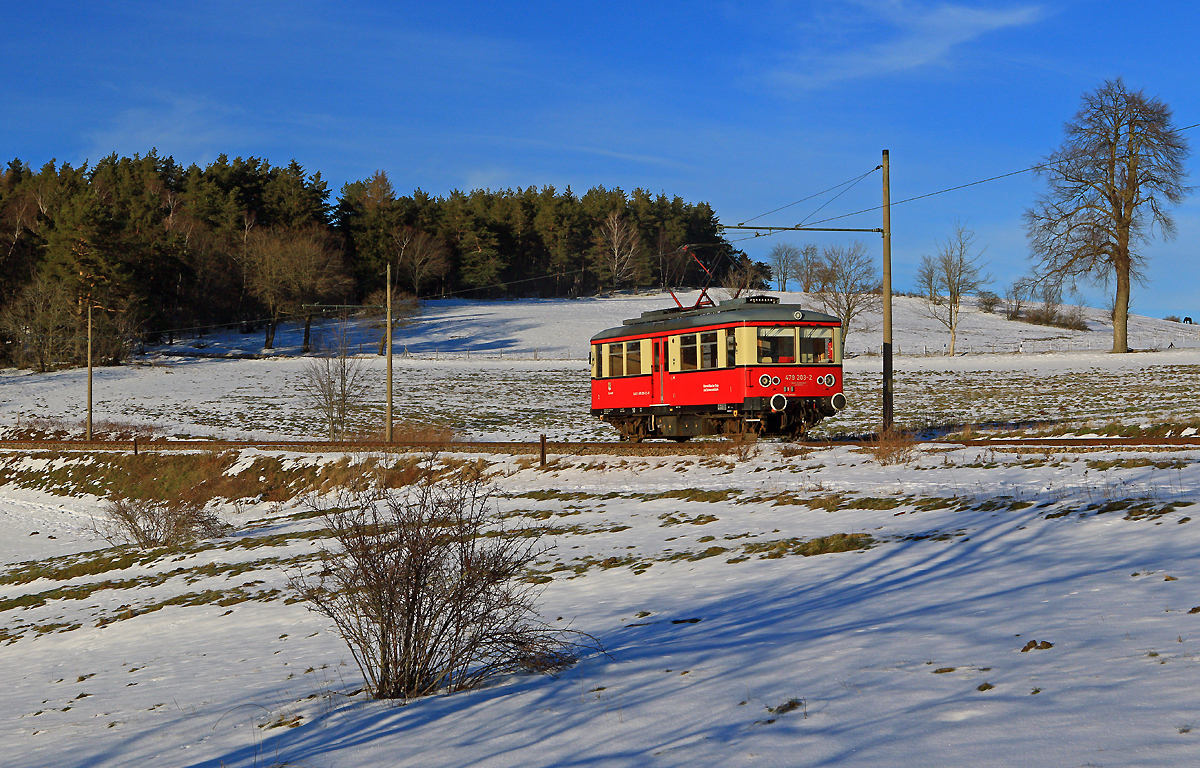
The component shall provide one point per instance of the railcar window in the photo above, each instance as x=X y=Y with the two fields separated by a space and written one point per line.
x=708 y=350
x=776 y=345
x=616 y=360
x=816 y=345
x=730 y=348
x=687 y=352
x=633 y=358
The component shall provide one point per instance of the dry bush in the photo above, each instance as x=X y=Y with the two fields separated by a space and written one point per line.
x=987 y=301
x=794 y=449
x=158 y=523
x=892 y=447
x=427 y=587
x=712 y=448
x=745 y=449
x=415 y=432
x=53 y=428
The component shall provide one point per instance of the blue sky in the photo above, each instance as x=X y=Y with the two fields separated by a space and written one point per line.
x=749 y=105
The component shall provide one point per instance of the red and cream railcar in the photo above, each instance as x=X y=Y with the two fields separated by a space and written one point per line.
x=749 y=365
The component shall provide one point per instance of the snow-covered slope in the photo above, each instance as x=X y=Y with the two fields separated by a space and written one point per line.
x=690 y=570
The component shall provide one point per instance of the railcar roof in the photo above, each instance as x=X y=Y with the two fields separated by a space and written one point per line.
x=748 y=309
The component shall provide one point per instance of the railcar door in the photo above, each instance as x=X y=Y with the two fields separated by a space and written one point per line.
x=658 y=372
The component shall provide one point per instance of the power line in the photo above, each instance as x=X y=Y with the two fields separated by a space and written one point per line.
x=933 y=194
x=1038 y=167
x=839 y=194
x=851 y=182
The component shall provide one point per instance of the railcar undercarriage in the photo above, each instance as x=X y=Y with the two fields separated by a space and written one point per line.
x=792 y=421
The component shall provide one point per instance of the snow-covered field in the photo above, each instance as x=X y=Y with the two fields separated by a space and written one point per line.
x=690 y=570
x=513 y=370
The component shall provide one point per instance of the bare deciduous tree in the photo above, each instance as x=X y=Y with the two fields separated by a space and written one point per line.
x=950 y=274
x=334 y=383
x=745 y=276
x=40 y=324
x=419 y=256
x=427 y=587
x=621 y=248
x=1119 y=168
x=289 y=267
x=848 y=284
x=808 y=269
x=783 y=258
x=1015 y=296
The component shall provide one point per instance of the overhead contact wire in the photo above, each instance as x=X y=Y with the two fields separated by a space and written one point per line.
x=815 y=194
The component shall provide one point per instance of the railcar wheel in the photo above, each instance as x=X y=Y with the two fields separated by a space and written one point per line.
x=633 y=430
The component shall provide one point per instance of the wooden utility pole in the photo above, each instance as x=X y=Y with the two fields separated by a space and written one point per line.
x=887 y=294
x=387 y=429
x=89 y=387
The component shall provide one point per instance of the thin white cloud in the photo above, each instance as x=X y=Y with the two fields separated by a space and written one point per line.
x=918 y=35
x=190 y=129
x=642 y=159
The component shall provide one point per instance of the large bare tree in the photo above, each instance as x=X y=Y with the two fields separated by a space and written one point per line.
x=783 y=258
x=808 y=269
x=848 y=284
x=419 y=256
x=622 y=245
x=289 y=267
x=1110 y=183
x=953 y=272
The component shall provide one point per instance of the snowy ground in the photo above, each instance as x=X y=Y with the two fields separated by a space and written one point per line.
x=687 y=569
x=472 y=366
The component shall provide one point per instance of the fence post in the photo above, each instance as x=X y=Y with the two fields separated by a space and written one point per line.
x=543 y=450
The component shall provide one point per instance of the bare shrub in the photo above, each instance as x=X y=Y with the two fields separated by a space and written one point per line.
x=745 y=448
x=1073 y=318
x=158 y=523
x=892 y=447
x=987 y=301
x=416 y=432
x=427 y=587
x=1049 y=312
x=1172 y=318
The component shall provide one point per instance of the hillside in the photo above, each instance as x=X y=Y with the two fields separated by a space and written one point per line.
x=778 y=605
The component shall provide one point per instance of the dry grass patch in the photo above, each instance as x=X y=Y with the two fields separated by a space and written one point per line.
x=837 y=542
x=892 y=447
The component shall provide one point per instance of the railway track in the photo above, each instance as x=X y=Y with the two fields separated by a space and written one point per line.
x=543 y=447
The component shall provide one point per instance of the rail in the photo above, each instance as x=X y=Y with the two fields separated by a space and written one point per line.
x=543 y=447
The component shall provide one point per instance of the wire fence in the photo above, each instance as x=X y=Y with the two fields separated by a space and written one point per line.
x=1138 y=342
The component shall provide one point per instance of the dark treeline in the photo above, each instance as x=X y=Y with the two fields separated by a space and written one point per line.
x=153 y=247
